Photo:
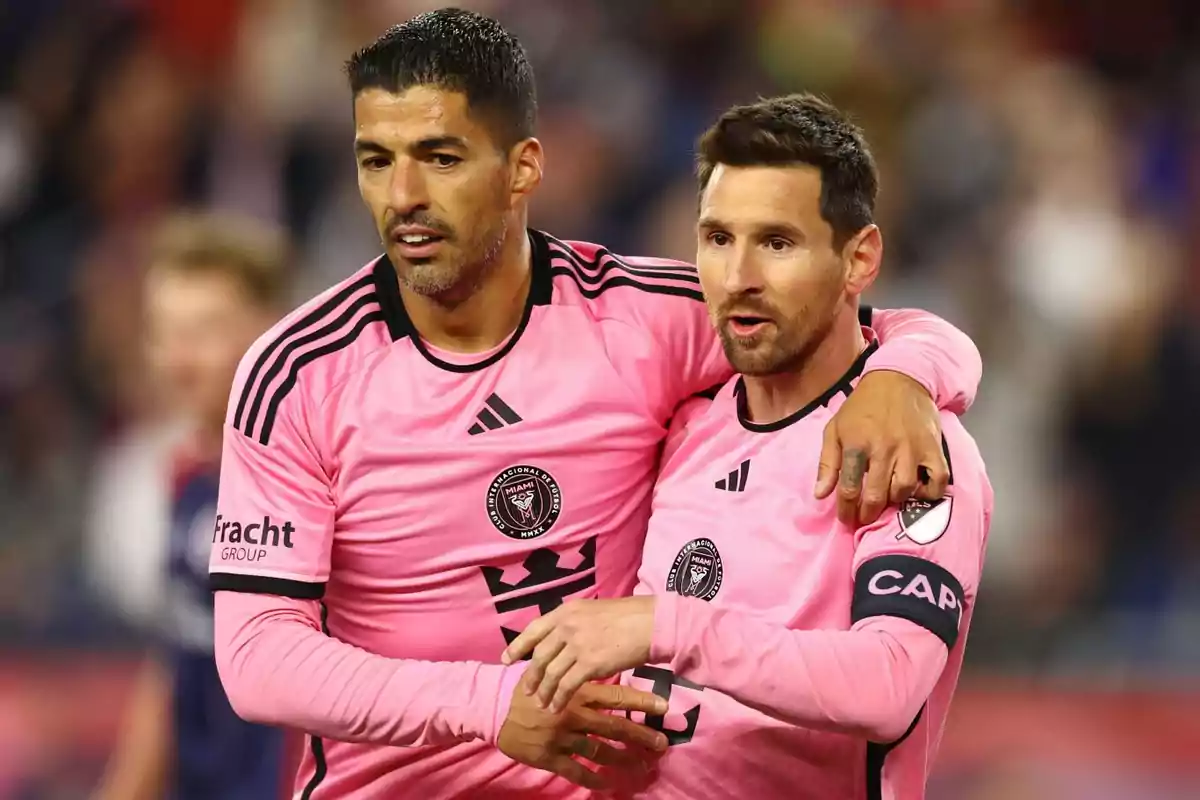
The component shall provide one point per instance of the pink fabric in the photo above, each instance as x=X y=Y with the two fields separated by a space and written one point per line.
x=869 y=681
x=785 y=642
x=340 y=691
x=436 y=509
x=932 y=352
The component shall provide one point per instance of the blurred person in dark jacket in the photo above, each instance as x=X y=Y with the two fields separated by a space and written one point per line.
x=214 y=285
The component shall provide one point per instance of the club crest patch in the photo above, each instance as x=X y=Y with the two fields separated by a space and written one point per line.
x=697 y=571
x=923 y=521
x=524 y=502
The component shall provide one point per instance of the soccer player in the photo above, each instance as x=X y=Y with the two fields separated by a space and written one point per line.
x=214 y=285
x=465 y=433
x=800 y=659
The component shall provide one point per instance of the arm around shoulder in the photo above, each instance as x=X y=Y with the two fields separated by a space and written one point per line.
x=932 y=352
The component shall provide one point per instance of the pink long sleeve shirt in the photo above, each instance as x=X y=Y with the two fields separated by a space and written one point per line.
x=801 y=659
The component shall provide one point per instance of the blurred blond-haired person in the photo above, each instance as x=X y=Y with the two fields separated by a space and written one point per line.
x=214 y=284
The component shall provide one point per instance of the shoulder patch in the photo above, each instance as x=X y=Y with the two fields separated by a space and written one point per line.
x=924 y=522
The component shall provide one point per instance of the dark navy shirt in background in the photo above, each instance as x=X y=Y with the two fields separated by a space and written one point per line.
x=218 y=756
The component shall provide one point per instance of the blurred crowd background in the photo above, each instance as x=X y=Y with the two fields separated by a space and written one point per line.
x=1041 y=189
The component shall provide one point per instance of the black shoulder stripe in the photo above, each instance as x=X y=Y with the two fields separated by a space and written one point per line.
x=910 y=588
x=312 y=355
x=281 y=359
x=262 y=584
x=593 y=270
x=599 y=275
x=710 y=393
x=312 y=318
x=865 y=315
x=621 y=280
x=605 y=262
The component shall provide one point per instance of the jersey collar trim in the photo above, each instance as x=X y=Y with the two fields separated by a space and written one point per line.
x=387 y=289
x=400 y=325
x=844 y=385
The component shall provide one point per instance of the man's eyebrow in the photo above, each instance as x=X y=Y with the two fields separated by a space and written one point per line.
x=780 y=229
x=368 y=146
x=439 y=142
x=763 y=229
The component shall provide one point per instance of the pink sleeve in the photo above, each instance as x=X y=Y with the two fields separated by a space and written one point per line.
x=275 y=510
x=931 y=351
x=686 y=356
x=922 y=561
x=689 y=410
x=870 y=681
x=916 y=571
x=278 y=668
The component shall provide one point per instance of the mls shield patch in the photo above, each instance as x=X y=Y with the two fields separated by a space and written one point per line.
x=923 y=521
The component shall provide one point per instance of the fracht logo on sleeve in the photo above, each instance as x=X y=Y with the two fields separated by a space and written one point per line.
x=250 y=542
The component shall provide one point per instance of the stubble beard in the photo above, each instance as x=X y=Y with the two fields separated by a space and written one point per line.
x=450 y=284
x=787 y=346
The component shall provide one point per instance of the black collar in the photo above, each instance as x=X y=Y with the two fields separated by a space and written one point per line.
x=387 y=288
x=844 y=385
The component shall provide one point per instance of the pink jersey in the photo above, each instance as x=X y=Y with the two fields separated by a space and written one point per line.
x=390 y=517
x=800 y=659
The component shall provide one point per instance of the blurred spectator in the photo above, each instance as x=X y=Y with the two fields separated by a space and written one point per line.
x=214 y=284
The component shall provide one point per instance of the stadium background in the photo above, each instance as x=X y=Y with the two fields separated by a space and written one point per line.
x=1041 y=169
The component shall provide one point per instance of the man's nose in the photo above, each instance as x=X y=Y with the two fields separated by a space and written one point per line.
x=408 y=191
x=742 y=272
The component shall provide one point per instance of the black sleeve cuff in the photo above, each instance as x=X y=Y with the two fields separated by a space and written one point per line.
x=262 y=584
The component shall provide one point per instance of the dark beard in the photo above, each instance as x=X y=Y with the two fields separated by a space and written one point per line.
x=784 y=356
x=471 y=275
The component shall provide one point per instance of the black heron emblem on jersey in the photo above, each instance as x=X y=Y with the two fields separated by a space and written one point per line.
x=697 y=571
x=524 y=502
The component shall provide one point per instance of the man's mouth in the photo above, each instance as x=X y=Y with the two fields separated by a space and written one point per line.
x=417 y=243
x=417 y=238
x=746 y=325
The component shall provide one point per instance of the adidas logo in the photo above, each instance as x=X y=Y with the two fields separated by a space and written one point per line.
x=736 y=482
x=488 y=421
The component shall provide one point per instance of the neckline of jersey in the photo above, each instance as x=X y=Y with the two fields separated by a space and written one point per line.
x=844 y=385
x=400 y=325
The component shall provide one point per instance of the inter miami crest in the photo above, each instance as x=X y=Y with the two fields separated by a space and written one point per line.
x=523 y=502
x=924 y=522
x=697 y=571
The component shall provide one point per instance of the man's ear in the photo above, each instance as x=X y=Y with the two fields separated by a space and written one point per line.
x=527 y=158
x=863 y=255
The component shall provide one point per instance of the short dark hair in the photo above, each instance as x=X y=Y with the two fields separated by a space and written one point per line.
x=799 y=129
x=458 y=51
